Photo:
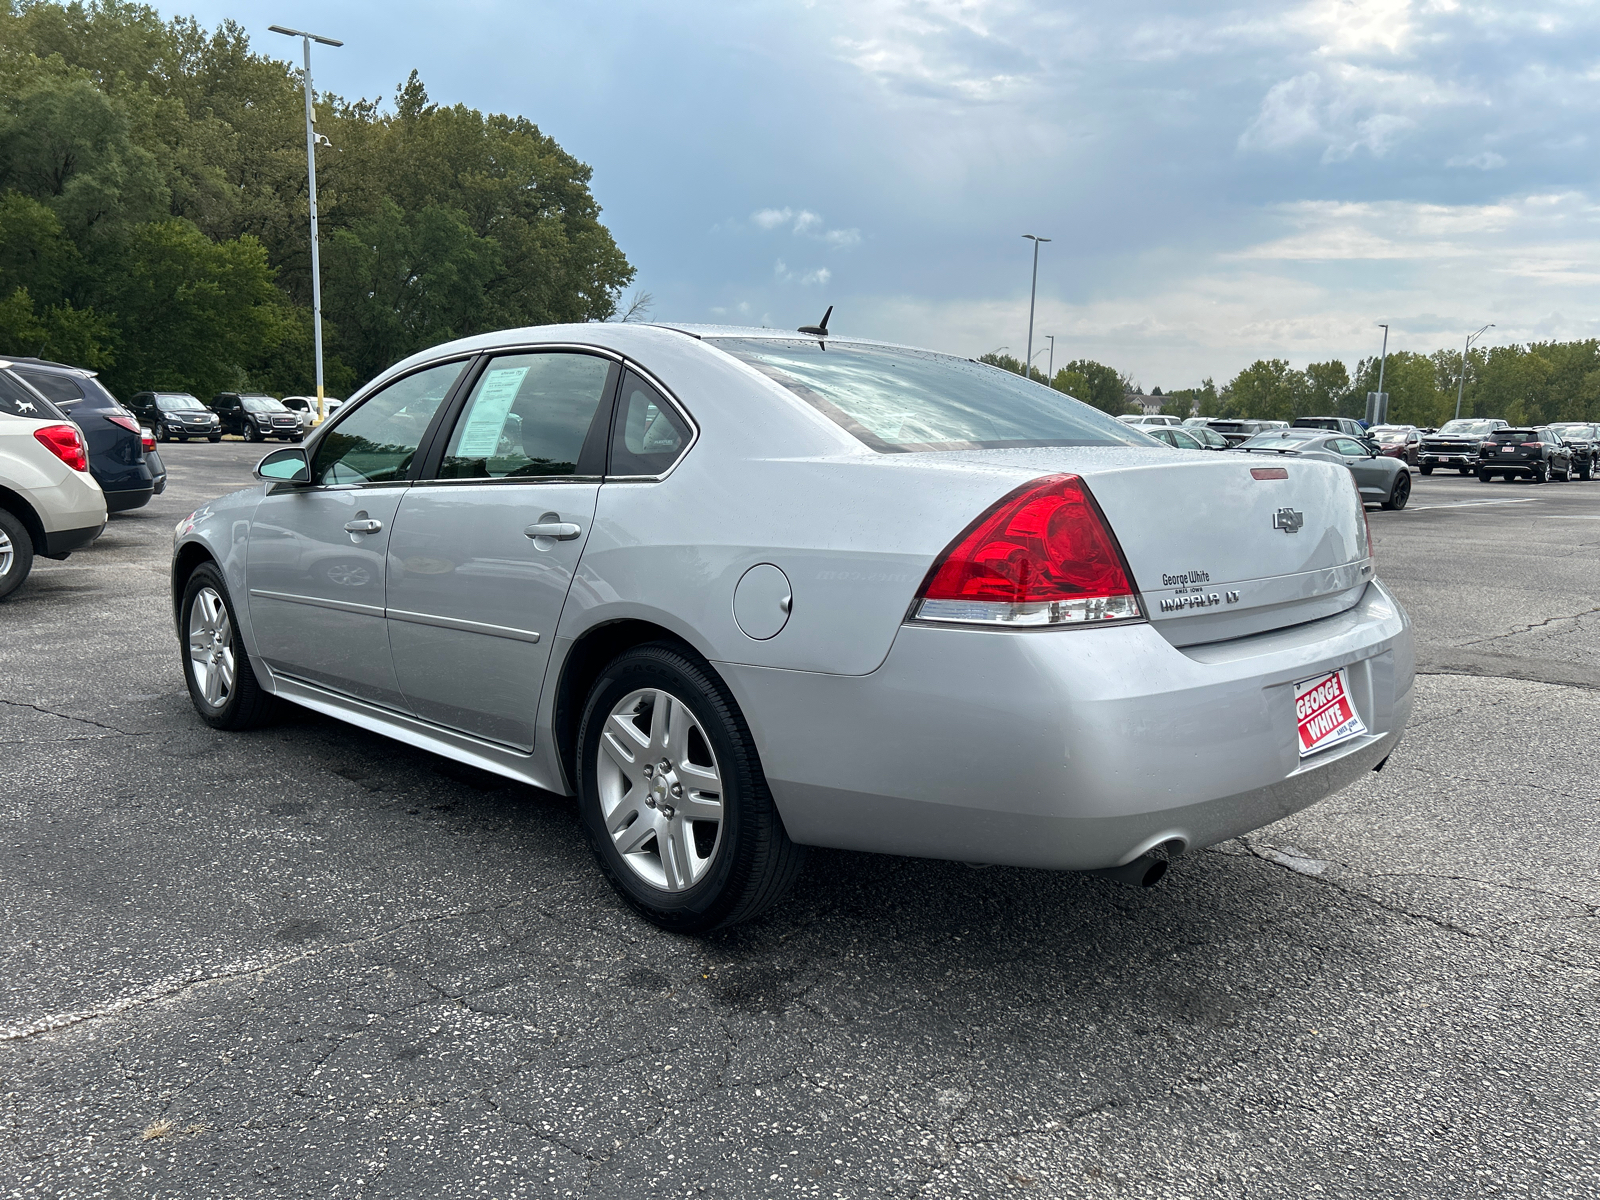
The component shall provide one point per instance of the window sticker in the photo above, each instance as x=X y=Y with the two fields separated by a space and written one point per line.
x=487 y=416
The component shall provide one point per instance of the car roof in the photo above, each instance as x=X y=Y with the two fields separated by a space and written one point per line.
x=26 y=361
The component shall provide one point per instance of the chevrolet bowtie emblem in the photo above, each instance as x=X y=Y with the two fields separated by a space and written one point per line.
x=1288 y=520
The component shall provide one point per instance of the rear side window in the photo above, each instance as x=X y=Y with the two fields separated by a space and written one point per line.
x=528 y=417
x=899 y=400
x=647 y=435
x=20 y=402
x=62 y=389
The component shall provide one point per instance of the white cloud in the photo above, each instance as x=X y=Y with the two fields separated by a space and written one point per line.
x=820 y=275
x=1484 y=160
x=771 y=218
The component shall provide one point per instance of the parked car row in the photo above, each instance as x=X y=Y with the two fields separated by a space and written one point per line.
x=254 y=416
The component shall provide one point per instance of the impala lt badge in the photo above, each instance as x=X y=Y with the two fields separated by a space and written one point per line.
x=1288 y=520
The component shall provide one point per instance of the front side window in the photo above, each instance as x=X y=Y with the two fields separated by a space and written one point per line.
x=648 y=434
x=528 y=417
x=377 y=442
x=898 y=400
x=1348 y=448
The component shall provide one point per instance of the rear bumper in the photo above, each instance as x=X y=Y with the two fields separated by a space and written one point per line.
x=122 y=499
x=65 y=541
x=1070 y=749
x=1513 y=467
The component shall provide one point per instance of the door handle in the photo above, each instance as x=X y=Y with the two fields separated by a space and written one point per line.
x=562 y=531
x=370 y=525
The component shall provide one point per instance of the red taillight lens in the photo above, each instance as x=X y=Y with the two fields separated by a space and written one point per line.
x=1043 y=555
x=1530 y=445
x=147 y=440
x=66 y=443
x=1489 y=446
x=128 y=423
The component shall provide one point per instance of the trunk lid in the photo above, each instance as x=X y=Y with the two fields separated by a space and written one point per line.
x=1217 y=552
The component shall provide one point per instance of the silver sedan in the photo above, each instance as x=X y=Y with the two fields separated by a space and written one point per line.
x=742 y=592
x=1380 y=479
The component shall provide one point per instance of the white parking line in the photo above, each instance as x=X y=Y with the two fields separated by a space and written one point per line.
x=1594 y=518
x=1476 y=503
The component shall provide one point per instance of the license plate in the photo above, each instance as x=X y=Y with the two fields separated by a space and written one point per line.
x=1324 y=713
x=1509 y=450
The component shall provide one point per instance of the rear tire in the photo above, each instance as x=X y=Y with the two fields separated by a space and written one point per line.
x=1485 y=477
x=222 y=683
x=1539 y=473
x=1400 y=493
x=726 y=867
x=16 y=553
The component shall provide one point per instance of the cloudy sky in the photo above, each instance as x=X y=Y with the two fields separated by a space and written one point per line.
x=1222 y=182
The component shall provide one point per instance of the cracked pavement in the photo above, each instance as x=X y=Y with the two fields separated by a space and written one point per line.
x=309 y=962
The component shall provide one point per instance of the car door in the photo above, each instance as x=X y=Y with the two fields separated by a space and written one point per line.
x=486 y=544
x=1372 y=473
x=316 y=558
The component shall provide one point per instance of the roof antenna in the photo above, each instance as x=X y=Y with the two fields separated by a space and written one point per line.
x=820 y=330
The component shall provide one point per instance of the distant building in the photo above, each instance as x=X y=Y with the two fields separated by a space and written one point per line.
x=1148 y=405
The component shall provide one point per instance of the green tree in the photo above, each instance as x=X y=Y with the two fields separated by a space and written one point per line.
x=1327 y=392
x=1269 y=390
x=1093 y=383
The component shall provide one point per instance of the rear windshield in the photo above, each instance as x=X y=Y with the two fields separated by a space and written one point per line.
x=1283 y=437
x=1516 y=435
x=178 y=403
x=261 y=404
x=897 y=400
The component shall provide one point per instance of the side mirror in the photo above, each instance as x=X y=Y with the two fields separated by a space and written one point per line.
x=288 y=465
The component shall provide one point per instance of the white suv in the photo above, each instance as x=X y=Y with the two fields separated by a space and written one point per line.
x=49 y=503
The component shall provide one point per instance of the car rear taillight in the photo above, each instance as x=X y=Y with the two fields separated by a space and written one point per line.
x=1530 y=445
x=147 y=440
x=1042 y=555
x=66 y=443
x=128 y=423
x=1489 y=446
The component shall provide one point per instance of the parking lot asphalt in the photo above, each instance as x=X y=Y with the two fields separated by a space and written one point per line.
x=312 y=962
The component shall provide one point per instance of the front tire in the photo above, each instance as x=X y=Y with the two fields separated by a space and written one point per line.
x=1466 y=470
x=222 y=684
x=214 y=437
x=1400 y=493
x=16 y=553
x=672 y=796
x=252 y=434
x=1426 y=469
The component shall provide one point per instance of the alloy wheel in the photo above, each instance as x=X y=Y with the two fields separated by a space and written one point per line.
x=8 y=554
x=211 y=653
x=661 y=794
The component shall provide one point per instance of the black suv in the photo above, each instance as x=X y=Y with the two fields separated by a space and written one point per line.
x=1536 y=453
x=177 y=415
x=116 y=451
x=255 y=417
x=1584 y=442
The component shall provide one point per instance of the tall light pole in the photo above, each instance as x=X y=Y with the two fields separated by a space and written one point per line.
x=1032 y=292
x=1381 y=411
x=1461 y=379
x=311 y=176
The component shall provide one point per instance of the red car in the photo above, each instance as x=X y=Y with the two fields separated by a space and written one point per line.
x=1397 y=441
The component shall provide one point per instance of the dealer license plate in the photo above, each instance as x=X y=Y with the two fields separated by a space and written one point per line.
x=1324 y=713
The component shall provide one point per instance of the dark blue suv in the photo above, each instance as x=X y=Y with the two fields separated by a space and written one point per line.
x=116 y=451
